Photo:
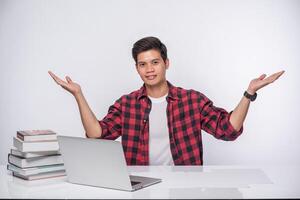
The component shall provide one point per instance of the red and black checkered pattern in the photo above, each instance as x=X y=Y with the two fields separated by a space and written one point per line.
x=188 y=113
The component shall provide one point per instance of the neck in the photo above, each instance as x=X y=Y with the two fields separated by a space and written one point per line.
x=157 y=91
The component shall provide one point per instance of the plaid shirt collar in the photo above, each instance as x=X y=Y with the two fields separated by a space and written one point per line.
x=173 y=93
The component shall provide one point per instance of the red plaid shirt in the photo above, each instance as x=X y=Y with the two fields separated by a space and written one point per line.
x=188 y=112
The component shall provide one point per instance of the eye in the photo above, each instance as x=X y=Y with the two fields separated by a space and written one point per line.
x=155 y=62
x=141 y=64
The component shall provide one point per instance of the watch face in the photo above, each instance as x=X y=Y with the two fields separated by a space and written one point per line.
x=253 y=97
x=249 y=96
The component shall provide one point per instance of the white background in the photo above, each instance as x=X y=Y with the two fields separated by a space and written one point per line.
x=215 y=47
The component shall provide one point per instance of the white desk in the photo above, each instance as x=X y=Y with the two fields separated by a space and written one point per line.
x=177 y=182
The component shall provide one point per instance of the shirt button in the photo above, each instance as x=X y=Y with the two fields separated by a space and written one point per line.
x=144 y=120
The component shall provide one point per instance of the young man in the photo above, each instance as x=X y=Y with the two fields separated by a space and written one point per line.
x=161 y=124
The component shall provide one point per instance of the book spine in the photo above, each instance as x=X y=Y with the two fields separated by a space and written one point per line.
x=9 y=161
x=20 y=176
x=8 y=156
x=21 y=137
x=17 y=153
x=18 y=144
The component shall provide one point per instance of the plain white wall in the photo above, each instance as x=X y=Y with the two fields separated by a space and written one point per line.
x=215 y=47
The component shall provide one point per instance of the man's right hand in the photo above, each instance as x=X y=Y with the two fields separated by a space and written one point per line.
x=68 y=85
x=89 y=120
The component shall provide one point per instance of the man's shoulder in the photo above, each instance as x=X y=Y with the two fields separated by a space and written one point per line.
x=187 y=92
x=191 y=95
x=130 y=96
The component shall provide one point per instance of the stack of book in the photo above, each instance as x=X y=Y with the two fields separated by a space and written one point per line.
x=35 y=155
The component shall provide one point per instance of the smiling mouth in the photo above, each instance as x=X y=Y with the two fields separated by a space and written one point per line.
x=151 y=77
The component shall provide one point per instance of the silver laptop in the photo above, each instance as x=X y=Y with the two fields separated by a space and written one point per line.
x=99 y=162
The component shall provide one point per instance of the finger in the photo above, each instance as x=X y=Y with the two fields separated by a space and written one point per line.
x=279 y=74
x=69 y=80
x=274 y=77
x=57 y=79
x=51 y=74
x=262 y=76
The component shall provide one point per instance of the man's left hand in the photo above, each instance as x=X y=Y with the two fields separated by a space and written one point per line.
x=262 y=81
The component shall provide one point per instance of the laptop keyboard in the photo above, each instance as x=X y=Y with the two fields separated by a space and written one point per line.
x=134 y=183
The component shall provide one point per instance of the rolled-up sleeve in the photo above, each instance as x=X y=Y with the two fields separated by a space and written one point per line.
x=215 y=121
x=111 y=123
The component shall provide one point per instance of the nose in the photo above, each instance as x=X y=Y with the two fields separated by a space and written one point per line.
x=149 y=68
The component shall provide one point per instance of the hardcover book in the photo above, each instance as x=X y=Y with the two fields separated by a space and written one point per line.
x=41 y=176
x=34 y=162
x=35 y=146
x=36 y=135
x=35 y=170
x=18 y=153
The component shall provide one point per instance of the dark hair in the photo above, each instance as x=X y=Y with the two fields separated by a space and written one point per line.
x=149 y=43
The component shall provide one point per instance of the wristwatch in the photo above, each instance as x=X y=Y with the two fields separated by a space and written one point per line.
x=249 y=96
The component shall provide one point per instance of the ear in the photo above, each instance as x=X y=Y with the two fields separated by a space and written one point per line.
x=136 y=67
x=167 y=62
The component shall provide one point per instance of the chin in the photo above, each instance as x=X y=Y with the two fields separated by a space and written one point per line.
x=153 y=82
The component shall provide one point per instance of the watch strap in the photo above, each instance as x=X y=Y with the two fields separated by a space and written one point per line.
x=249 y=96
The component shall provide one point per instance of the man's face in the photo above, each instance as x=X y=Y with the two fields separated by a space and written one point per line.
x=151 y=67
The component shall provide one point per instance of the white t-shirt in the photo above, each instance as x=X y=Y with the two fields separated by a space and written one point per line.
x=159 y=142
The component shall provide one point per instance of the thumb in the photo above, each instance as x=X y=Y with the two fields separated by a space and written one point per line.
x=69 y=80
x=262 y=76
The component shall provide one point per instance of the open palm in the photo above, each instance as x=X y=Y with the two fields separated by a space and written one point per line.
x=262 y=81
x=68 y=85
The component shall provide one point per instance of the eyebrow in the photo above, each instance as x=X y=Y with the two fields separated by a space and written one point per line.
x=141 y=62
x=155 y=59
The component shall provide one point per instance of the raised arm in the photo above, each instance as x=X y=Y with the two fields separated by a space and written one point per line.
x=239 y=113
x=89 y=120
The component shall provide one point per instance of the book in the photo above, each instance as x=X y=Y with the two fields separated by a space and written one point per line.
x=36 y=135
x=34 y=162
x=41 y=176
x=35 y=146
x=35 y=170
x=18 y=153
